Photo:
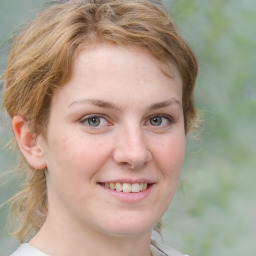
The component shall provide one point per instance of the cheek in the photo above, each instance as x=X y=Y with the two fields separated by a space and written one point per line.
x=78 y=155
x=72 y=165
x=170 y=154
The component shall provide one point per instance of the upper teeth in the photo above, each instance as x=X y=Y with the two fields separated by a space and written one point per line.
x=127 y=187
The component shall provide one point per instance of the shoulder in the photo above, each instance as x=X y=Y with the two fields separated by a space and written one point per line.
x=27 y=250
x=156 y=249
x=162 y=250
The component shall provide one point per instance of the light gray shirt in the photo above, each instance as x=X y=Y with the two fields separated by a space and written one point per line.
x=156 y=249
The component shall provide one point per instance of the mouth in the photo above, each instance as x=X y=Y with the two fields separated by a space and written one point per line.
x=126 y=187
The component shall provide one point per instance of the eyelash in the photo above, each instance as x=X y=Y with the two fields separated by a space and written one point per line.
x=85 y=120
x=169 y=120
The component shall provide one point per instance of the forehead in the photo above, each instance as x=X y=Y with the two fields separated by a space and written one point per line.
x=108 y=47
x=108 y=68
x=96 y=55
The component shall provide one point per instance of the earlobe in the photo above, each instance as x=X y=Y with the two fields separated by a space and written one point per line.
x=28 y=143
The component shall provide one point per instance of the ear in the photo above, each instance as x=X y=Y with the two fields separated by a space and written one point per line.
x=28 y=143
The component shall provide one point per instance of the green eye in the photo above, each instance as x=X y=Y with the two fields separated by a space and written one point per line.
x=160 y=121
x=94 y=121
x=156 y=121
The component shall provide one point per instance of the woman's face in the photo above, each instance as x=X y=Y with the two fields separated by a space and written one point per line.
x=115 y=142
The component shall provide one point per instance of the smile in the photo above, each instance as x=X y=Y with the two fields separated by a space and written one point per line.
x=126 y=187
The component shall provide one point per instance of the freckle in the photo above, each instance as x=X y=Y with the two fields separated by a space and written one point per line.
x=99 y=146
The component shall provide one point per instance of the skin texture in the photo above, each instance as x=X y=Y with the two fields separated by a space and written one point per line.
x=136 y=136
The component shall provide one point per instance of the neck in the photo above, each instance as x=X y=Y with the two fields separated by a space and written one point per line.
x=55 y=238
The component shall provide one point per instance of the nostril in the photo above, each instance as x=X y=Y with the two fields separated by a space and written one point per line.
x=131 y=154
x=125 y=164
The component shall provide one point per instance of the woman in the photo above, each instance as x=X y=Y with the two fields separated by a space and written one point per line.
x=101 y=98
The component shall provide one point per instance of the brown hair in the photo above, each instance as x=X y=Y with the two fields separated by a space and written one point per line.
x=41 y=60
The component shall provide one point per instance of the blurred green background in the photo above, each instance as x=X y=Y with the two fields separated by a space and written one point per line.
x=214 y=211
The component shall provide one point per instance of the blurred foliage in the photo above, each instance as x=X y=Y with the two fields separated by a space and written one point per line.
x=214 y=211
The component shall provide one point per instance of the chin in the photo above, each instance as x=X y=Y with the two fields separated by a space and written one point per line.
x=132 y=226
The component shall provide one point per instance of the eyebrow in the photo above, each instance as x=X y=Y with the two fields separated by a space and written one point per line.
x=165 y=103
x=98 y=103
x=105 y=104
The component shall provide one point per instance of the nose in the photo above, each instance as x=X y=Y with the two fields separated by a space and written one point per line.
x=131 y=149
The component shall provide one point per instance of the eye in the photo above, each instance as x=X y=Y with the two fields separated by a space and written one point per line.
x=156 y=120
x=94 y=121
x=160 y=120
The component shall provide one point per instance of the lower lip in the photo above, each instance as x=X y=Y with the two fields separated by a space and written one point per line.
x=130 y=197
